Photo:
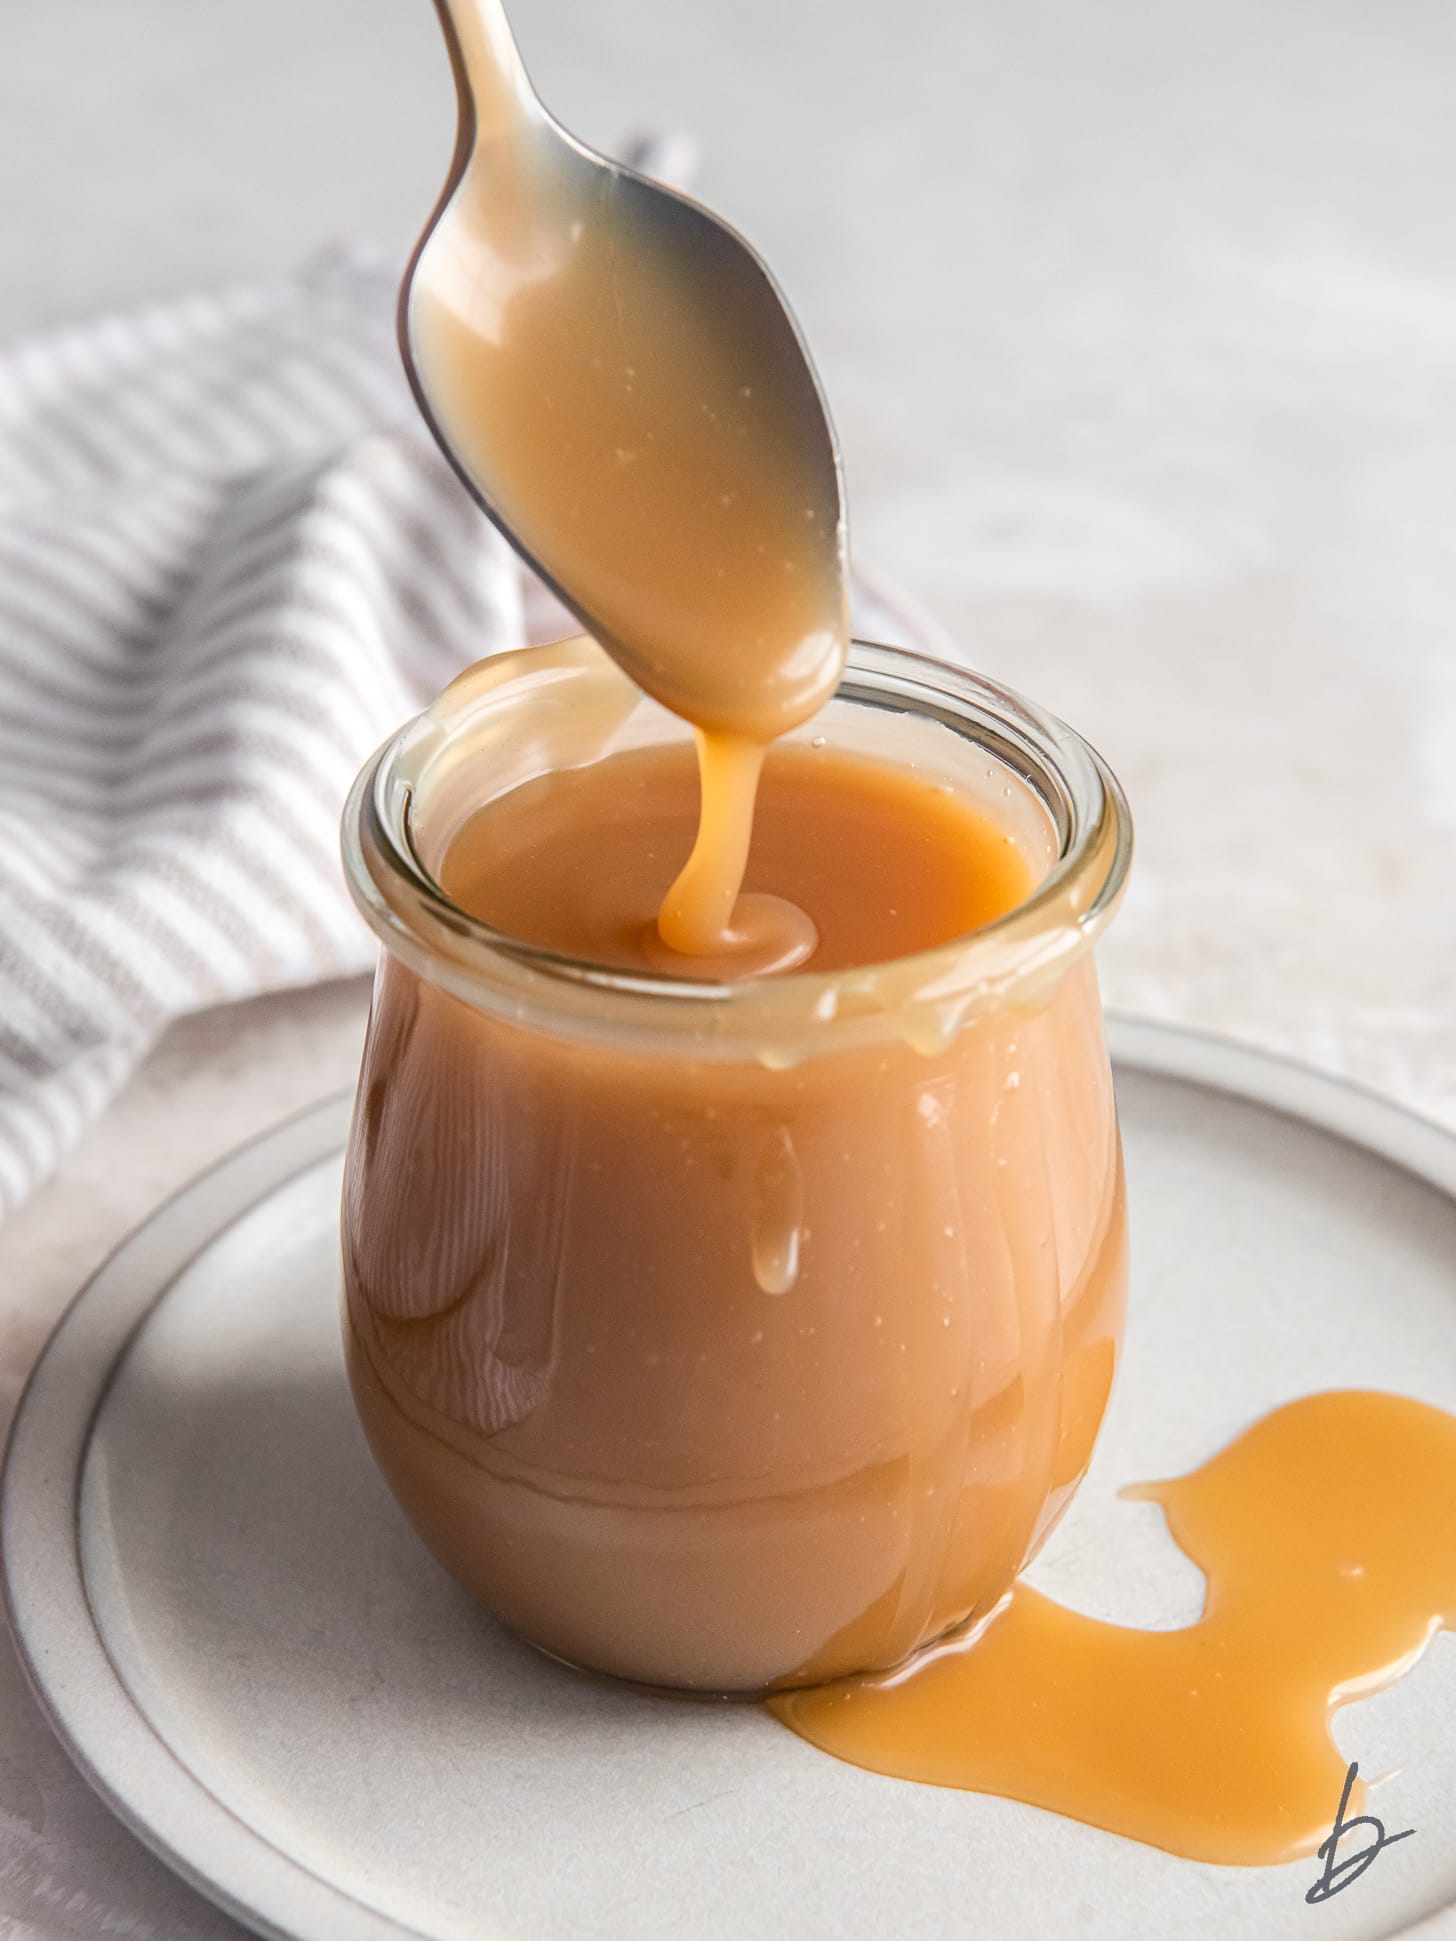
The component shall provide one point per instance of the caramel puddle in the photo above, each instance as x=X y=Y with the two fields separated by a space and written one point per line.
x=1327 y=1533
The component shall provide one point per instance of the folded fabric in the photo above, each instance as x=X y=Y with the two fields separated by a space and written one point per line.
x=231 y=562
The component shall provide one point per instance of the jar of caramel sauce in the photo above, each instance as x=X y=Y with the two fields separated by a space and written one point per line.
x=734 y=1334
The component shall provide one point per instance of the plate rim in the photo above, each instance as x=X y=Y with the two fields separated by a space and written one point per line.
x=61 y=1647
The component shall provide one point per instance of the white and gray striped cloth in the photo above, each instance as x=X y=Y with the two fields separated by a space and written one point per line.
x=230 y=563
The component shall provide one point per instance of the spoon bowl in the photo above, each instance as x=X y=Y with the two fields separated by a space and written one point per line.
x=620 y=383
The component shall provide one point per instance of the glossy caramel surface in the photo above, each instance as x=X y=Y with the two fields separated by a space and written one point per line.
x=881 y=863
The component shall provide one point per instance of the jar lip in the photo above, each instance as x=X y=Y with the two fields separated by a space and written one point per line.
x=414 y=917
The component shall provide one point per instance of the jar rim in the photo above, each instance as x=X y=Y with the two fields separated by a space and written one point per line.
x=784 y=1018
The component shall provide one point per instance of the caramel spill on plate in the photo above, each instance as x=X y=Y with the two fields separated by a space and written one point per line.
x=1327 y=1534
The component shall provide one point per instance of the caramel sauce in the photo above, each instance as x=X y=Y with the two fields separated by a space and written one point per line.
x=1325 y=1532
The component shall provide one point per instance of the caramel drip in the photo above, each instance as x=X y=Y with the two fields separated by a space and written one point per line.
x=1326 y=1536
x=704 y=913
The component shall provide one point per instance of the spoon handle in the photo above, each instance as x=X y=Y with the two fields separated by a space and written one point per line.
x=496 y=96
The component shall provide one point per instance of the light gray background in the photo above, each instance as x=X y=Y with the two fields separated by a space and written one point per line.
x=1138 y=318
x=1139 y=321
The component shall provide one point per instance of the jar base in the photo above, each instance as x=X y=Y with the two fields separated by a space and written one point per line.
x=959 y=1636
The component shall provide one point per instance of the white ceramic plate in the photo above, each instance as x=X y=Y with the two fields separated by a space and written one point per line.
x=256 y=1664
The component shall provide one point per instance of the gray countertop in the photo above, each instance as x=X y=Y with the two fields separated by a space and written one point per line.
x=1139 y=324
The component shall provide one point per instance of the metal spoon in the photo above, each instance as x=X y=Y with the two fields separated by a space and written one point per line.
x=618 y=380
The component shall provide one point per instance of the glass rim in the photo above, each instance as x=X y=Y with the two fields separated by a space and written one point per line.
x=417 y=921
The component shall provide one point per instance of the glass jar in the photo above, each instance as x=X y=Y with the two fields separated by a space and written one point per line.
x=737 y=1336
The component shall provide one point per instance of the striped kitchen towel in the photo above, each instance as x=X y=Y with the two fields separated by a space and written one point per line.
x=231 y=562
x=229 y=565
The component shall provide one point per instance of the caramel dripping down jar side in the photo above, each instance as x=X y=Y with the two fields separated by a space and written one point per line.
x=733 y=1338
